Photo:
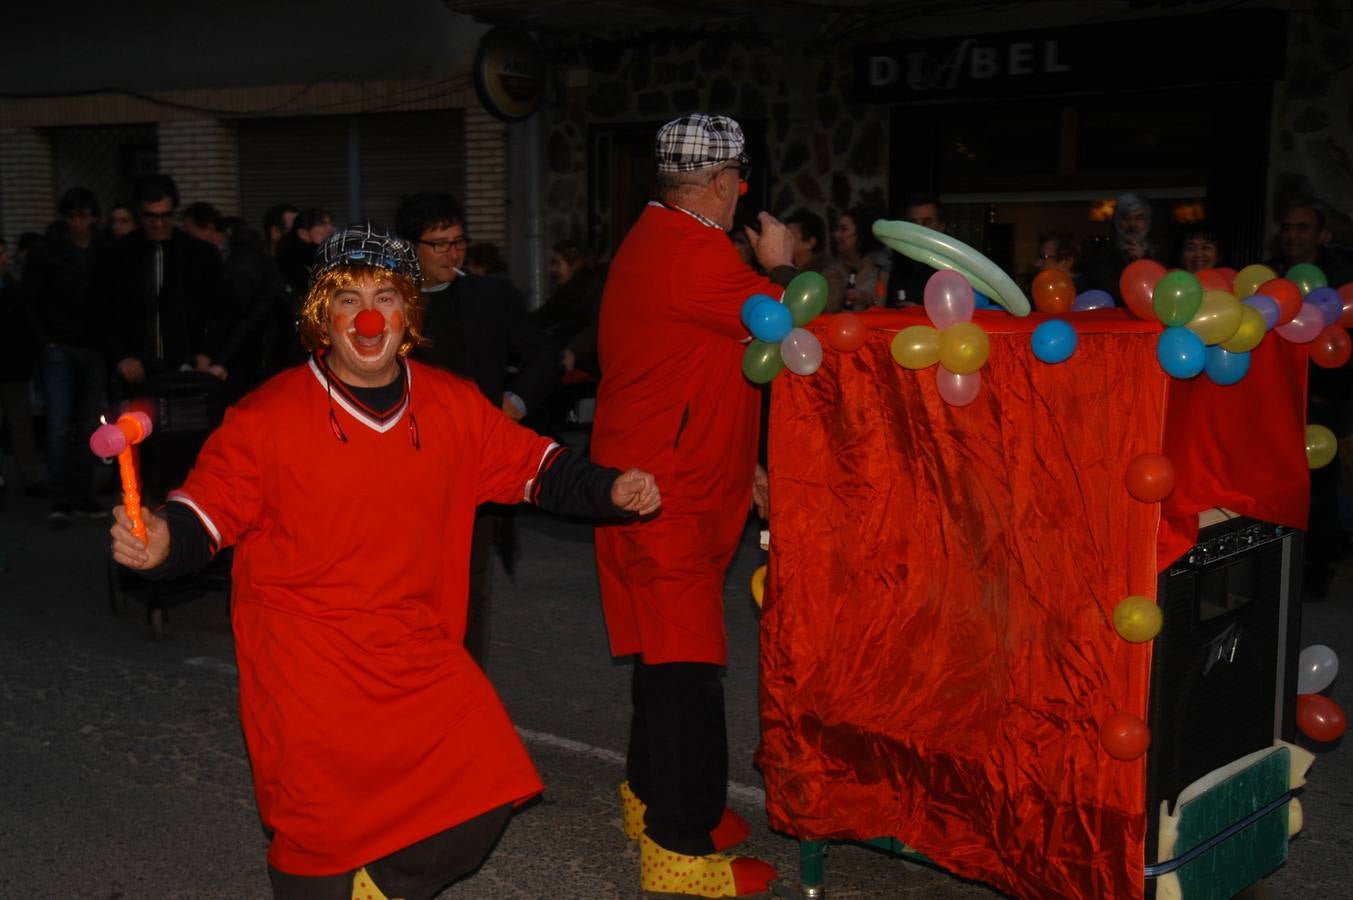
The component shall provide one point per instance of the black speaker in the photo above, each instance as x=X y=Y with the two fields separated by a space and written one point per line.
x=1224 y=666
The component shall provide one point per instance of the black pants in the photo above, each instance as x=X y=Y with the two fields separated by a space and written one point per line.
x=418 y=872
x=678 y=753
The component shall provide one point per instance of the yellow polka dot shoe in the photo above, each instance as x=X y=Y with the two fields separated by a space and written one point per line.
x=363 y=888
x=731 y=830
x=716 y=875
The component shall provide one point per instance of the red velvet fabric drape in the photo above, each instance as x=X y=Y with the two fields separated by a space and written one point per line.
x=937 y=643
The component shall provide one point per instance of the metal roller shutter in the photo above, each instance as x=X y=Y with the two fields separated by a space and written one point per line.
x=404 y=153
x=302 y=161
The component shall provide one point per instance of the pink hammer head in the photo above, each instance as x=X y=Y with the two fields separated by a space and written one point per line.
x=110 y=440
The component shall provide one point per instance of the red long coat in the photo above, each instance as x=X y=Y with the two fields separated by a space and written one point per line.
x=673 y=401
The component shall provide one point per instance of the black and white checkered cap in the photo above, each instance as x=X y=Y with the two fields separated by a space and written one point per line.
x=362 y=245
x=697 y=141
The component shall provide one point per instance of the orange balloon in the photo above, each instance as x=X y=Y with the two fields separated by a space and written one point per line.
x=1331 y=347
x=846 y=332
x=1320 y=718
x=1124 y=736
x=1215 y=279
x=1054 y=292
x=1286 y=293
x=1149 y=477
x=1137 y=284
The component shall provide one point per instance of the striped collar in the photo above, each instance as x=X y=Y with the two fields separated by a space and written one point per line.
x=703 y=220
x=343 y=397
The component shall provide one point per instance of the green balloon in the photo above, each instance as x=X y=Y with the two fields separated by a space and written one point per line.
x=806 y=297
x=1176 y=298
x=761 y=361
x=1307 y=276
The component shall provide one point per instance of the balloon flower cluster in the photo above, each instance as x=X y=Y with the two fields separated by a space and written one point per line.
x=956 y=343
x=779 y=339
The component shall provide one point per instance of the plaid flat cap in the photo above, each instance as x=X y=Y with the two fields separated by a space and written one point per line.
x=696 y=141
x=361 y=245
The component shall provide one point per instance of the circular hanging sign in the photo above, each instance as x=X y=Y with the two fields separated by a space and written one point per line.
x=509 y=74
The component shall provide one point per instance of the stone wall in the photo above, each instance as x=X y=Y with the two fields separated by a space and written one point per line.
x=203 y=158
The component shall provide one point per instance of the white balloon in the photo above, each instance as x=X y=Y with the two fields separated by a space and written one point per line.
x=801 y=351
x=1316 y=668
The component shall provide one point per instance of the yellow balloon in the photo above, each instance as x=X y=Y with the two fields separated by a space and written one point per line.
x=917 y=347
x=1250 y=277
x=1137 y=619
x=1249 y=334
x=964 y=348
x=759 y=585
x=1321 y=446
x=1218 y=317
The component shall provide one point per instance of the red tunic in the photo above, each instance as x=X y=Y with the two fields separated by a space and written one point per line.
x=368 y=725
x=673 y=401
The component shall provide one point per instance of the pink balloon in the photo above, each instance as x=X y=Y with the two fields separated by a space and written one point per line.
x=948 y=299
x=1304 y=326
x=801 y=351
x=955 y=389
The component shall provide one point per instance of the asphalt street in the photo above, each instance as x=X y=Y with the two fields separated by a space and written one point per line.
x=124 y=773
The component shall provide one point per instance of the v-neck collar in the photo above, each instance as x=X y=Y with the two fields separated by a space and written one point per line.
x=343 y=397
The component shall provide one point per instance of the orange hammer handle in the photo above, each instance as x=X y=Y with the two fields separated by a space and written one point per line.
x=131 y=490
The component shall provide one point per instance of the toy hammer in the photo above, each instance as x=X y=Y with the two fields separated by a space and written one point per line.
x=120 y=439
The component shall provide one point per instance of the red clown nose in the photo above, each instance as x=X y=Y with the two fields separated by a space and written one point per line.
x=369 y=323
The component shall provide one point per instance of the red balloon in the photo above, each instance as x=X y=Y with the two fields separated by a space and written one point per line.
x=1054 y=292
x=1331 y=347
x=1320 y=718
x=1149 y=477
x=1137 y=284
x=1346 y=294
x=1124 y=736
x=1288 y=295
x=846 y=332
x=1216 y=279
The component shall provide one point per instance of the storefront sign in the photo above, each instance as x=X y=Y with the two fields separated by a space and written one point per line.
x=509 y=74
x=1135 y=55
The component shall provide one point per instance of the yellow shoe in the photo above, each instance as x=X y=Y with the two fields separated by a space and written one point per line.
x=731 y=830
x=715 y=875
x=363 y=888
x=631 y=812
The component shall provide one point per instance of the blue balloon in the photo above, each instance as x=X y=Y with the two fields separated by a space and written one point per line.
x=770 y=322
x=1266 y=306
x=1092 y=299
x=1328 y=301
x=1054 y=341
x=1181 y=352
x=1225 y=367
x=981 y=300
x=752 y=302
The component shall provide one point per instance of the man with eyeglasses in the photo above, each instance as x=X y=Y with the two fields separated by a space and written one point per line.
x=477 y=326
x=673 y=395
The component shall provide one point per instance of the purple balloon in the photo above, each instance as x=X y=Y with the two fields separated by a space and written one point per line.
x=1266 y=306
x=1304 y=326
x=948 y=299
x=1328 y=301
x=1092 y=299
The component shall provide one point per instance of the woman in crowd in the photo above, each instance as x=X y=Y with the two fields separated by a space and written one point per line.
x=1198 y=248
x=861 y=257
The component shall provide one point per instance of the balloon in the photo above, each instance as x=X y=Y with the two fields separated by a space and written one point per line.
x=846 y=332
x=801 y=352
x=1181 y=352
x=940 y=251
x=982 y=301
x=1124 y=736
x=1054 y=292
x=1149 y=477
x=1328 y=301
x=1216 y=279
x=1054 y=341
x=956 y=389
x=1250 y=332
x=1304 y=326
x=1287 y=295
x=1346 y=295
x=1331 y=347
x=1176 y=297
x=1316 y=668
x=964 y=348
x=1320 y=718
x=761 y=361
x=769 y=322
x=1093 y=299
x=1137 y=619
x=1307 y=276
x=805 y=297
x=1218 y=317
x=751 y=303
x=1225 y=367
x=1321 y=446
x=1249 y=278
x=1266 y=306
x=1136 y=285
x=759 y=585
x=916 y=347
x=948 y=299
